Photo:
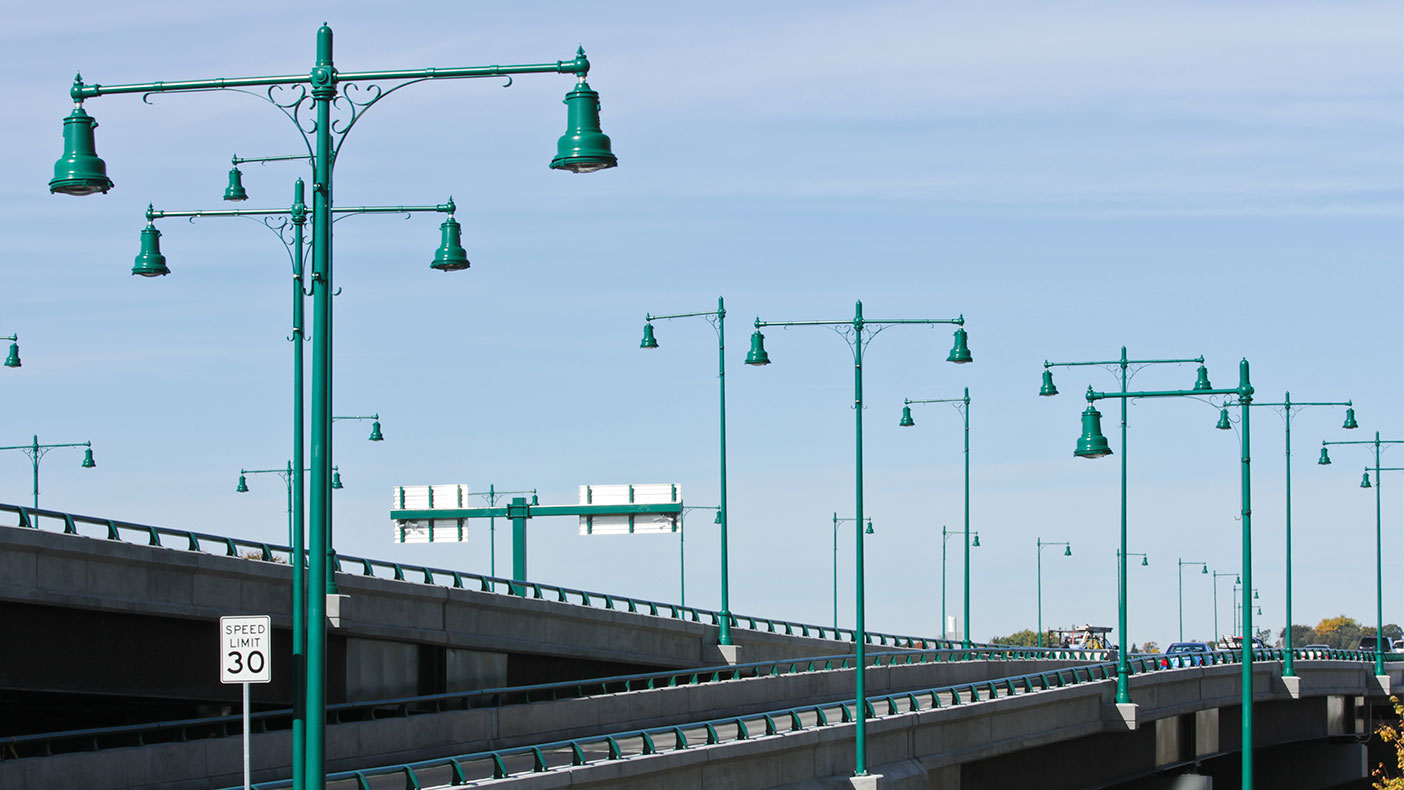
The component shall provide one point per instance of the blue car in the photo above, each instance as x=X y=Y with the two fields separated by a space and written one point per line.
x=1187 y=654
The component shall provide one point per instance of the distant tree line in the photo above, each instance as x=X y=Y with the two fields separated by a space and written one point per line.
x=1339 y=632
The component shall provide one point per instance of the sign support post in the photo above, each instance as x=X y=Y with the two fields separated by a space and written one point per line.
x=245 y=645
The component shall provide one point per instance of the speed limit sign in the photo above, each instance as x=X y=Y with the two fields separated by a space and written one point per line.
x=245 y=648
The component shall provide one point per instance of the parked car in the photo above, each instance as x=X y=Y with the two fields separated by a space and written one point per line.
x=1316 y=651
x=1367 y=643
x=1187 y=654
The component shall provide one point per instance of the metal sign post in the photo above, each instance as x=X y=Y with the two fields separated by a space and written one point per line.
x=245 y=645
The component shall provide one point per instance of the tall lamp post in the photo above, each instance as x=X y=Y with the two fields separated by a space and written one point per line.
x=1067 y=552
x=1236 y=580
x=1125 y=370
x=838 y=521
x=37 y=451
x=1145 y=561
x=717 y=318
x=972 y=541
x=79 y=171
x=1239 y=607
x=858 y=333
x=1093 y=444
x=288 y=476
x=1288 y=408
x=962 y=405
x=1379 y=546
x=1180 y=573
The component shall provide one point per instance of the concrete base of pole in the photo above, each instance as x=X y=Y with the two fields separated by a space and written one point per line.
x=1121 y=714
x=869 y=782
x=1293 y=686
x=1383 y=681
x=336 y=605
x=725 y=654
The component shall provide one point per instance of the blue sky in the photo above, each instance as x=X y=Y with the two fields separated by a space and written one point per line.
x=1181 y=178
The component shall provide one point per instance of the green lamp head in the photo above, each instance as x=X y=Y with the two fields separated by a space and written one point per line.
x=1203 y=570
x=1092 y=444
x=1350 y=423
x=1047 y=390
x=717 y=520
x=1255 y=593
x=533 y=498
x=1237 y=579
x=79 y=171
x=375 y=432
x=976 y=542
x=1325 y=459
x=757 y=355
x=583 y=148
x=906 y=421
x=1067 y=551
x=450 y=257
x=1201 y=380
x=1365 y=480
x=243 y=487
x=869 y=530
x=150 y=262
x=235 y=190
x=88 y=462
x=13 y=360
x=960 y=352
x=1224 y=423
x=648 y=339
x=336 y=481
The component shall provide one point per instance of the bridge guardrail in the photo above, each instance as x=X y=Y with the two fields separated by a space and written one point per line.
x=97 y=738
x=493 y=764
x=271 y=552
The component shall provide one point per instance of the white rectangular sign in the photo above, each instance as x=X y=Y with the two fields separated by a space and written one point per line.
x=432 y=497
x=630 y=524
x=245 y=649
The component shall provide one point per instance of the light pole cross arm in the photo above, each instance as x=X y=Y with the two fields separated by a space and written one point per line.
x=1048 y=364
x=35 y=446
x=959 y=321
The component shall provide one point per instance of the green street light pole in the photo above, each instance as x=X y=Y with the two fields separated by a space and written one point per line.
x=717 y=318
x=1067 y=552
x=946 y=535
x=493 y=496
x=289 y=476
x=1180 y=573
x=962 y=405
x=1236 y=580
x=1288 y=409
x=858 y=333
x=1123 y=367
x=37 y=451
x=838 y=521
x=1093 y=444
x=1238 y=607
x=13 y=359
x=1379 y=546
x=79 y=171
x=1145 y=561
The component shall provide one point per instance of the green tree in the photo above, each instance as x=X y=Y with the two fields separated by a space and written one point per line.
x=1340 y=632
x=1024 y=638
x=1393 y=631
x=1150 y=647
x=1301 y=635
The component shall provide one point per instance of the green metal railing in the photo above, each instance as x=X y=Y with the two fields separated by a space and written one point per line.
x=501 y=763
x=272 y=552
x=98 y=738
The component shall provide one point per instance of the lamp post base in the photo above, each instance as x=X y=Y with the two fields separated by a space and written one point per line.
x=865 y=782
x=1122 y=714
x=1293 y=685
x=724 y=654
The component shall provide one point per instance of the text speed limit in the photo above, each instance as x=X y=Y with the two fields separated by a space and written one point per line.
x=245 y=649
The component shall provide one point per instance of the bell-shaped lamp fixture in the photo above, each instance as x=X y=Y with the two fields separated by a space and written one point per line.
x=1365 y=480
x=376 y=436
x=1067 y=551
x=1047 y=390
x=975 y=544
x=450 y=257
x=79 y=171
x=1324 y=459
x=960 y=352
x=1350 y=423
x=1224 y=423
x=88 y=462
x=717 y=520
x=243 y=487
x=13 y=360
x=757 y=355
x=1145 y=561
x=150 y=262
x=648 y=339
x=533 y=498
x=1092 y=444
x=869 y=530
x=235 y=190
x=1237 y=580
x=583 y=148
x=906 y=421
x=1201 y=380
x=336 y=481
x=1204 y=570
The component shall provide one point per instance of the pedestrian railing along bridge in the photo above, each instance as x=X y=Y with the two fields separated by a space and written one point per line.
x=189 y=540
